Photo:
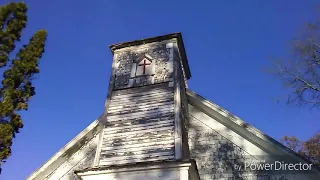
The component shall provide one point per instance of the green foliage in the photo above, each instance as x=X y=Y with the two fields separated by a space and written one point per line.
x=17 y=88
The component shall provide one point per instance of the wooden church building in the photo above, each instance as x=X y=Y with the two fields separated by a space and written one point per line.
x=153 y=127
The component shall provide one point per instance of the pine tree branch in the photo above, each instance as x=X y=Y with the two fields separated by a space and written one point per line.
x=12 y=21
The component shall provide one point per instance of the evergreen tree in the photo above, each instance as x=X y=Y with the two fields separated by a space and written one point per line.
x=18 y=71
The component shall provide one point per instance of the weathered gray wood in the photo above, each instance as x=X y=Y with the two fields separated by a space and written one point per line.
x=136 y=147
x=153 y=92
x=83 y=158
x=139 y=127
x=137 y=121
x=165 y=134
x=146 y=118
x=217 y=153
x=123 y=111
x=158 y=72
x=139 y=89
x=177 y=110
x=149 y=158
x=142 y=115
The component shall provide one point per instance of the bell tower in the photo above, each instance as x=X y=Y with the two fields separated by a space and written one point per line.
x=143 y=134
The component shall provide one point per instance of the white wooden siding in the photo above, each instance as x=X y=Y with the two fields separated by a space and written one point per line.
x=140 y=126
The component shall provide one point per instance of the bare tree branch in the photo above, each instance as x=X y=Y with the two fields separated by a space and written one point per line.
x=301 y=72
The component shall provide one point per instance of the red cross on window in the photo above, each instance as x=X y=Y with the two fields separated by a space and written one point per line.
x=144 y=64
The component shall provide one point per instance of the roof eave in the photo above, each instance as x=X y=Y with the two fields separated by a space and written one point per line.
x=258 y=135
x=57 y=159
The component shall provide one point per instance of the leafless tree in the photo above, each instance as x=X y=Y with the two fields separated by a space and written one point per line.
x=301 y=72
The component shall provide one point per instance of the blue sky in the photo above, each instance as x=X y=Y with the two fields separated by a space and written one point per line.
x=228 y=45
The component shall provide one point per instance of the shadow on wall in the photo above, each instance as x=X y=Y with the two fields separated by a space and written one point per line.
x=144 y=129
x=219 y=158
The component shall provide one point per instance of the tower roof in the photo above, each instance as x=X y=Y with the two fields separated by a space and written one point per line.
x=155 y=39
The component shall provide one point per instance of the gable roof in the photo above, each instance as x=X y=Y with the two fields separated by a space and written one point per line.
x=65 y=152
x=231 y=121
x=244 y=129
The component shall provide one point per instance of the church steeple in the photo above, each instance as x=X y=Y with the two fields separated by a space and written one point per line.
x=146 y=108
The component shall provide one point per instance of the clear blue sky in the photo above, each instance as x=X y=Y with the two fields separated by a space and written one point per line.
x=228 y=45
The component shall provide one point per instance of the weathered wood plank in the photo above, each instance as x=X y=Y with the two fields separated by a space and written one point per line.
x=134 y=104
x=137 y=115
x=139 y=127
x=138 y=106
x=140 y=96
x=143 y=147
x=141 y=101
x=135 y=127
x=129 y=144
x=160 y=107
x=156 y=158
x=124 y=131
x=137 y=157
x=140 y=131
x=132 y=154
x=134 y=123
x=160 y=135
x=133 y=144
x=141 y=89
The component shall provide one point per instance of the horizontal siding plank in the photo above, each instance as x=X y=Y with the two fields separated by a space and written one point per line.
x=141 y=115
x=139 y=127
x=143 y=147
x=134 y=104
x=137 y=106
x=141 y=101
x=137 y=144
x=142 y=131
x=129 y=144
x=152 y=113
x=114 y=154
x=138 y=157
x=133 y=127
x=158 y=133
x=157 y=158
x=133 y=123
x=143 y=120
x=164 y=134
x=139 y=90
x=141 y=94
x=159 y=107
x=141 y=98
